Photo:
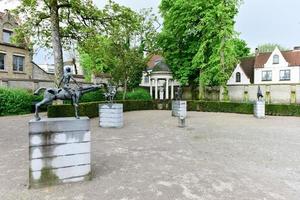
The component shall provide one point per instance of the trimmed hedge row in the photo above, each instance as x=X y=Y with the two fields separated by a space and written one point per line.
x=15 y=101
x=91 y=109
x=215 y=106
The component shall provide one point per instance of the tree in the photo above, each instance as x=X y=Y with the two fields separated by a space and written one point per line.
x=269 y=47
x=56 y=23
x=198 y=37
x=241 y=48
x=121 y=50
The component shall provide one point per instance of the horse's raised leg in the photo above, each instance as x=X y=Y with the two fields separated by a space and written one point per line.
x=75 y=103
x=37 y=105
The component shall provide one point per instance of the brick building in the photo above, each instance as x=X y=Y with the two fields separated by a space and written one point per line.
x=15 y=61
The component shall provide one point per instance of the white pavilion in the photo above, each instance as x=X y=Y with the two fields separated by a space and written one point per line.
x=159 y=79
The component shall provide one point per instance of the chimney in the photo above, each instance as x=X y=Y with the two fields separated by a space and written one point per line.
x=256 y=51
x=297 y=48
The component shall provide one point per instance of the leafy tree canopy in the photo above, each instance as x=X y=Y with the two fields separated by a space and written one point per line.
x=269 y=47
x=198 y=36
x=121 y=49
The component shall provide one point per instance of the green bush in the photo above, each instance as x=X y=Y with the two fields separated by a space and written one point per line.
x=91 y=109
x=138 y=94
x=15 y=101
x=93 y=96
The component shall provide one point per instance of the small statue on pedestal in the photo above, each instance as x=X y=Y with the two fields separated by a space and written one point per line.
x=111 y=93
x=259 y=94
x=178 y=93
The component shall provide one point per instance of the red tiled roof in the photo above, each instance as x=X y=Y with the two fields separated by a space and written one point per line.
x=152 y=62
x=292 y=57
x=247 y=64
x=261 y=59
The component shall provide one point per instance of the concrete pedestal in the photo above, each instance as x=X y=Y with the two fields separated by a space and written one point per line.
x=179 y=106
x=59 y=151
x=259 y=109
x=111 y=115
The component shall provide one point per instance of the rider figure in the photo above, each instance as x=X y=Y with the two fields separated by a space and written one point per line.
x=66 y=81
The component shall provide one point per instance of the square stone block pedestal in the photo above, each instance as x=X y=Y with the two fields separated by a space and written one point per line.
x=111 y=115
x=179 y=108
x=259 y=109
x=59 y=151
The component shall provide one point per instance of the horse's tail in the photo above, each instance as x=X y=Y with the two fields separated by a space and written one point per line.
x=38 y=90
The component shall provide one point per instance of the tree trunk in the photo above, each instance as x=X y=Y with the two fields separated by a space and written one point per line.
x=125 y=89
x=201 y=88
x=56 y=41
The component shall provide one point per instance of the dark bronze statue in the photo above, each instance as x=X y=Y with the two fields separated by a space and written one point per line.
x=111 y=93
x=259 y=94
x=64 y=93
x=178 y=93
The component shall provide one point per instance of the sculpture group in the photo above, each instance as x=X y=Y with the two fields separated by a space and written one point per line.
x=66 y=92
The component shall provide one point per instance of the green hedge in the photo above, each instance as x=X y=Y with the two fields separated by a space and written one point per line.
x=91 y=109
x=213 y=106
x=138 y=94
x=14 y=101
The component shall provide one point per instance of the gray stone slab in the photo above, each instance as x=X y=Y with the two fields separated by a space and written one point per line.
x=111 y=115
x=59 y=138
x=179 y=107
x=259 y=109
x=59 y=150
x=60 y=162
x=46 y=125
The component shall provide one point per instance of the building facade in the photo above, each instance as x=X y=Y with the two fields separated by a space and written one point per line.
x=158 y=79
x=277 y=67
x=277 y=73
x=15 y=61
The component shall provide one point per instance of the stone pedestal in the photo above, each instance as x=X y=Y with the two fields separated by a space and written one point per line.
x=59 y=151
x=111 y=115
x=179 y=106
x=259 y=109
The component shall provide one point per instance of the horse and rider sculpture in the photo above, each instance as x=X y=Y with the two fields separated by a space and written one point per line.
x=66 y=92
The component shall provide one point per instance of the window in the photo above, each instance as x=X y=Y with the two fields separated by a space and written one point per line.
x=238 y=77
x=275 y=59
x=146 y=79
x=18 y=63
x=7 y=36
x=267 y=76
x=2 y=58
x=285 y=75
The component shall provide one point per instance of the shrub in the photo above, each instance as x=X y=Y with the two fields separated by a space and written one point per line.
x=91 y=109
x=93 y=96
x=138 y=94
x=15 y=101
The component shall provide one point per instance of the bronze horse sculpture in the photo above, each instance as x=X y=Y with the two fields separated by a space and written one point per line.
x=74 y=95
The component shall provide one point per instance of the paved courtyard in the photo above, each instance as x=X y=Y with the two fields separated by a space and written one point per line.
x=217 y=156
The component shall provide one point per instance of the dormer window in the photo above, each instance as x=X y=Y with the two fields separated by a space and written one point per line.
x=275 y=59
x=7 y=36
x=238 y=77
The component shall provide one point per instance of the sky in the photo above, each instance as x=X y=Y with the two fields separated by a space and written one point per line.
x=258 y=21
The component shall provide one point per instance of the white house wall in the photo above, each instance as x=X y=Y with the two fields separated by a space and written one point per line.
x=276 y=68
x=244 y=79
x=295 y=73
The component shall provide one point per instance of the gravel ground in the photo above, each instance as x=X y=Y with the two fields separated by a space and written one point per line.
x=217 y=156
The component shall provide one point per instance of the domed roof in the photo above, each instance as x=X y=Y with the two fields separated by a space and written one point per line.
x=161 y=67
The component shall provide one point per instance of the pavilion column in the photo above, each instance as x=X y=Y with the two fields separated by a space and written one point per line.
x=167 y=88
x=156 y=88
x=172 y=89
x=151 y=90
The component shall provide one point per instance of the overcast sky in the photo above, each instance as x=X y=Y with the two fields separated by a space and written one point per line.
x=258 y=21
